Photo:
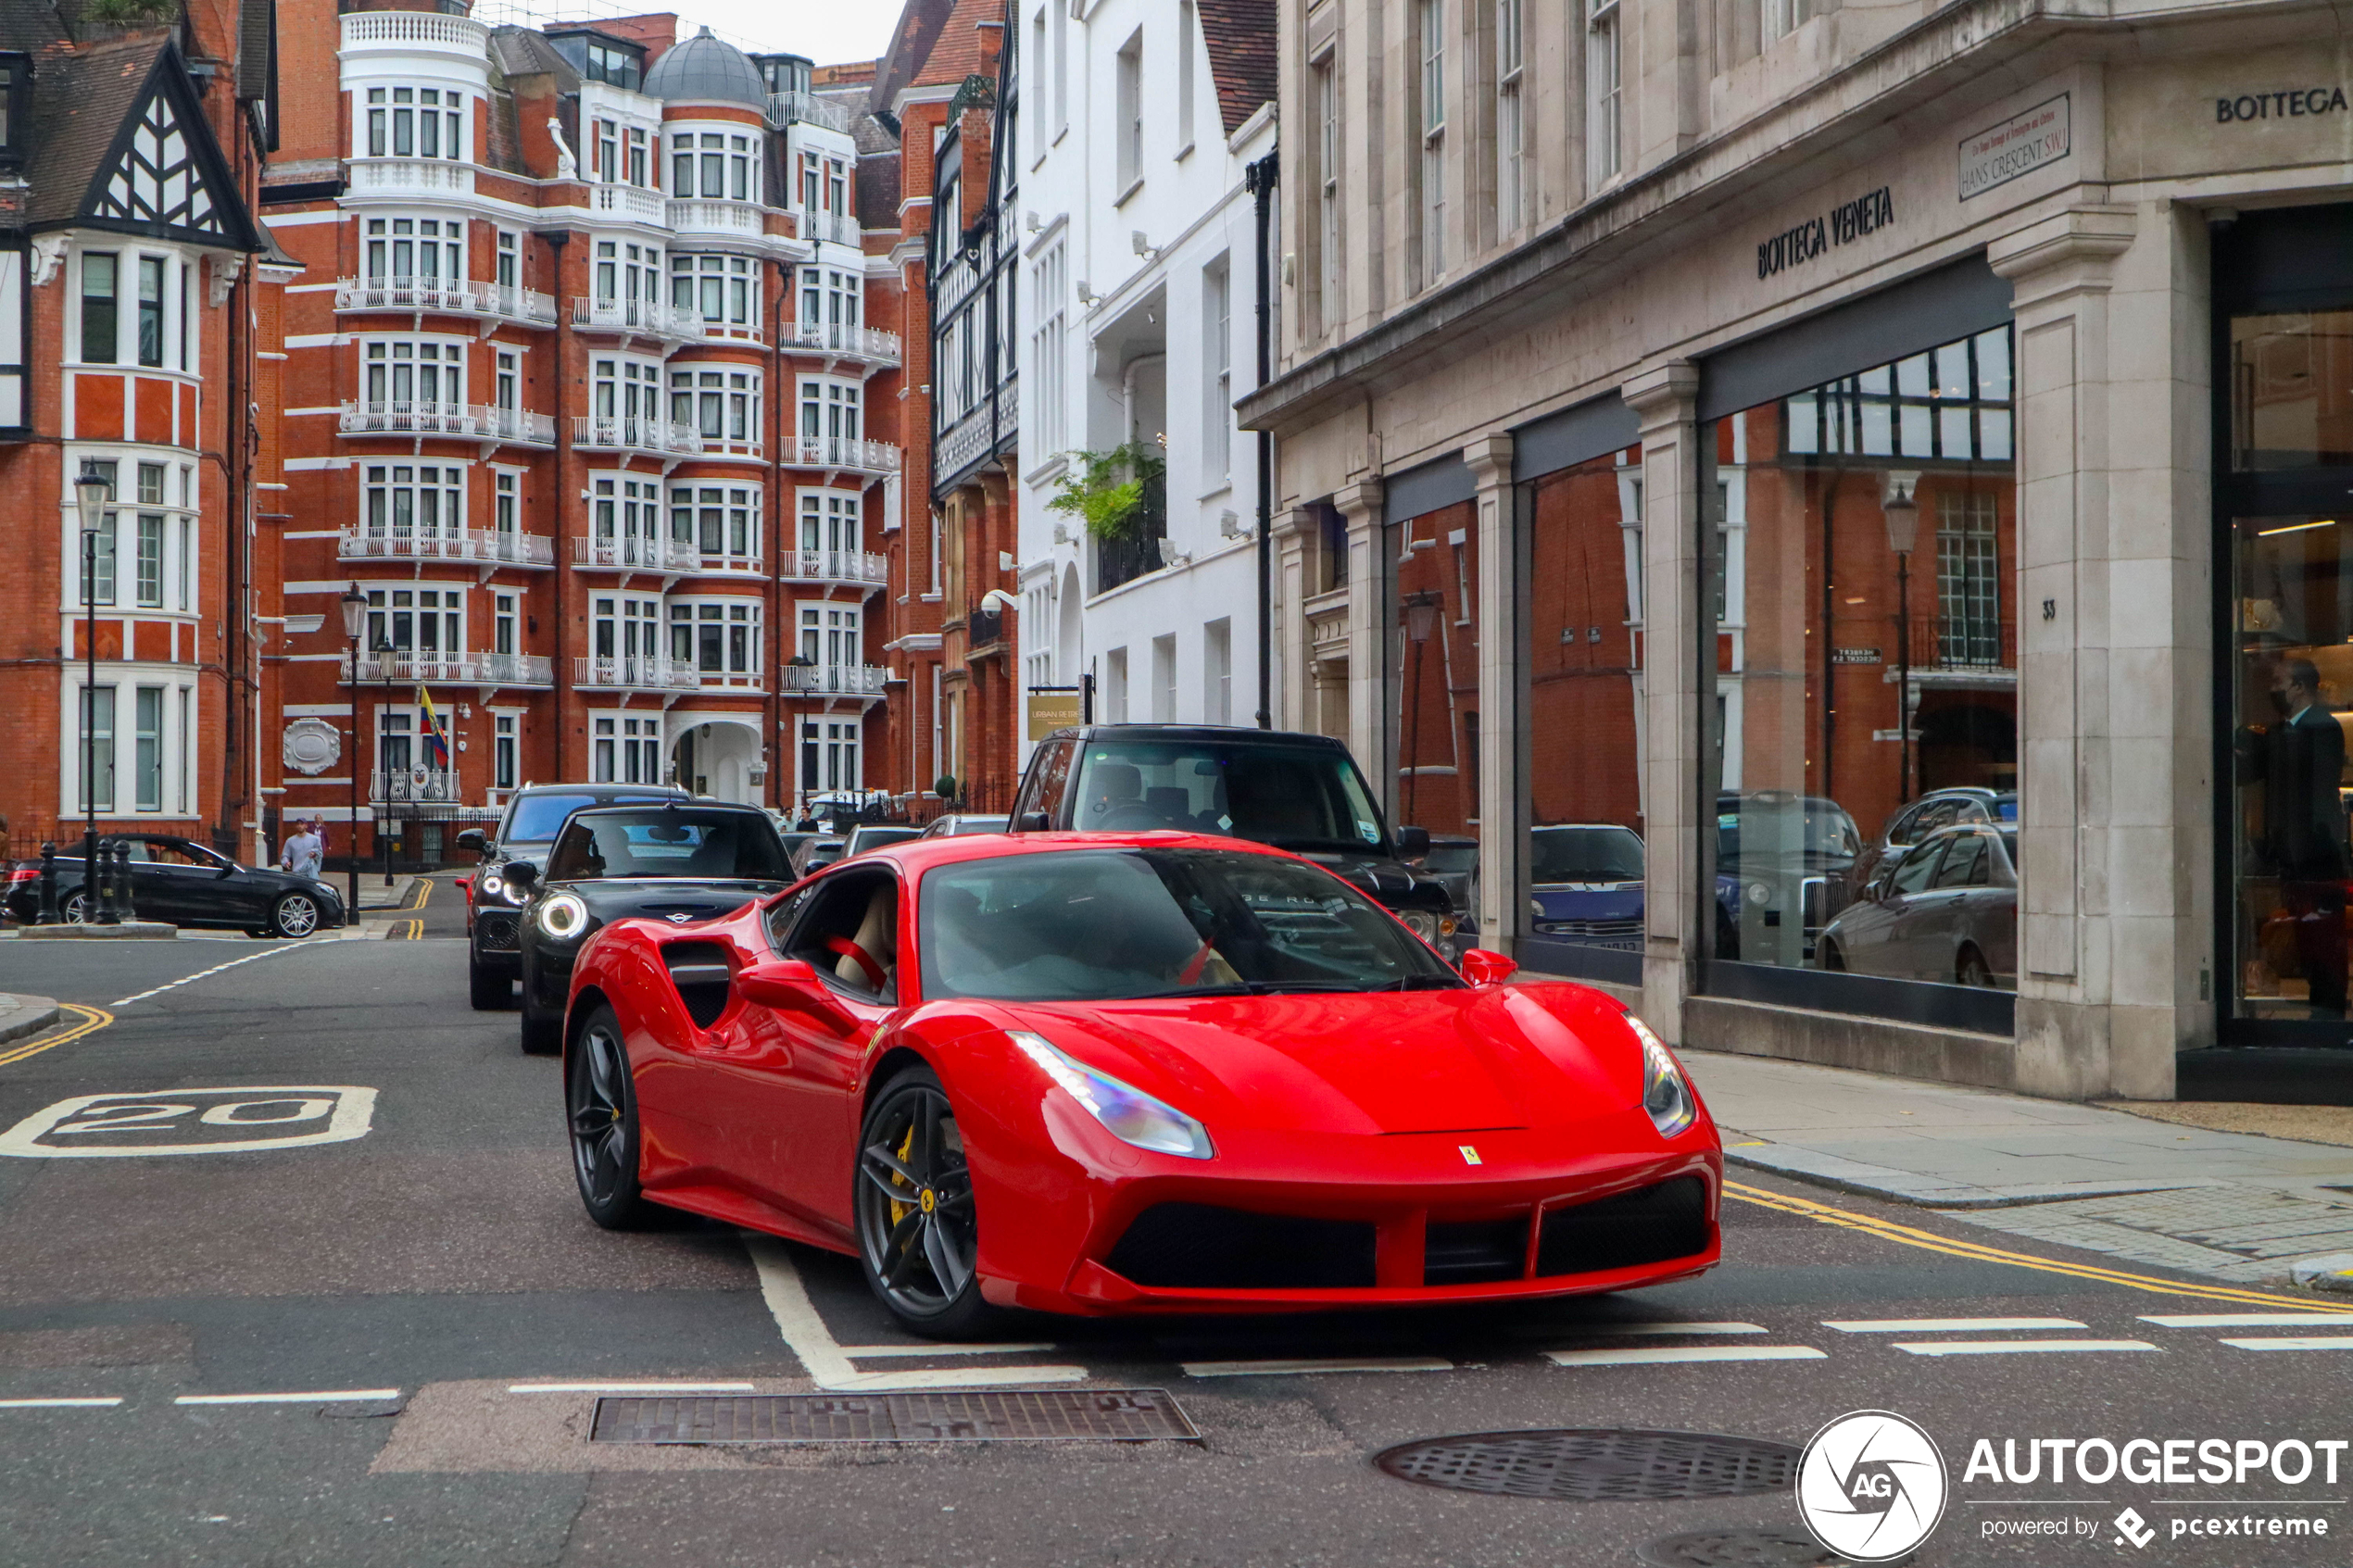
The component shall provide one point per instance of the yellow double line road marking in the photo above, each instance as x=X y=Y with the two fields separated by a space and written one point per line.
x=1978 y=1252
x=93 y=1020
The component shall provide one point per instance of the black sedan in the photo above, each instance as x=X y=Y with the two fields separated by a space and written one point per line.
x=681 y=861
x=181 y=882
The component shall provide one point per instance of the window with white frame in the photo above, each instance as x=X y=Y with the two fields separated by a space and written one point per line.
x=1128 y=106
x=403 y=375
x=416 y=122
x=829 y=754
x=402 y=249
x=94 y=750
x=508 y=272
x=412 y=500
x=506 y=742
x=1511 y=124
x=1049 y=282
x=717 y=404
x=1776 y=21
x=625 y=508
x=836 y=187
x=627 y=273
x=506 y=488
x=1217 y=372
x=1188 y=38
x=715 y=636
x=721 y=523
x=507 y=383
x=830 y=519
x=1431 y=32
x=1323 y=77
x=1217 y=672
x=1602 y=80
x=627 y=388
x=715 y=166
x=830 y=295
x=830 y=410
x=830 y=635
x=506 y=632
x=626 y=750
x=625 y=626
x=722 y=290
x=134 y=309
x=144 y=551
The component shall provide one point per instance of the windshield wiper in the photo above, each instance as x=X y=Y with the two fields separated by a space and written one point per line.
x=1427 y=983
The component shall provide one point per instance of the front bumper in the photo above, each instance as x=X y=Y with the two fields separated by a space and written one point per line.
x=498 y=930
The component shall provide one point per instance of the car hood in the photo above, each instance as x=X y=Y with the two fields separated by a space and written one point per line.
x=664 y=897
x=1388 y=880
x=1423 y=1061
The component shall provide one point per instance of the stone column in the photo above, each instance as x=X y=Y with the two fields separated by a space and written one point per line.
x=1503 y=698
x=1295 y=530
x=1665 y=398
x=1360 y=510
x=2114 y=678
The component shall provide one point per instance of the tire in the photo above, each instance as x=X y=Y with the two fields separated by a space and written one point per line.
x=294 y=916
x=542 y=1035
x=918 y=1237
x=600 y=1111
x=1970 y=968
x=490 y=990
x=74 y=908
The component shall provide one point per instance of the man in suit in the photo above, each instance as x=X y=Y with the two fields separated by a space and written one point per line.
x=2303 y=765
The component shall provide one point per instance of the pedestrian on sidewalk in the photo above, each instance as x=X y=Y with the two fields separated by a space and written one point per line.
x=305 y=852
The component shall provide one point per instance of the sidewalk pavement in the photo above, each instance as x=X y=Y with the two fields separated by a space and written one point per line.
x=21 y=1016
x=2229 y=1204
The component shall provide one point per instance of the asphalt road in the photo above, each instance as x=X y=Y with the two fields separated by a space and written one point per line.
x=432 y=1260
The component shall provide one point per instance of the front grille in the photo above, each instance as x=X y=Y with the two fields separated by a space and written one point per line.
x=1651 y=1224
x=499 y=931
x=1592 y=930
x=1475 y=1251
x=1200 y=1247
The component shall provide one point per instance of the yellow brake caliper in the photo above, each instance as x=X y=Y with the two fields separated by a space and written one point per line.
x=906 y=1152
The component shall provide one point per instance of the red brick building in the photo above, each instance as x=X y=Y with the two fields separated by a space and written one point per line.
x=128 y=164
x=589 y=391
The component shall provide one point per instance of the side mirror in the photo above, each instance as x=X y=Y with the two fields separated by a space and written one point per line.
x=465 y=884
x=473 y=839
x=1481 y=967
x=520 y=874
x=1412 y=842
x=791 y=985
x=1030 y=822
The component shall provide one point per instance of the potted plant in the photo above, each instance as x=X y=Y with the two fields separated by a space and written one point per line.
x=1110 y=492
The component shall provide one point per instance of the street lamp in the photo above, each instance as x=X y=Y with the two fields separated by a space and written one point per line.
x=355 y=622
x=1902 y=509
x=1421 y=619
x=385 y=653
x=91 y=494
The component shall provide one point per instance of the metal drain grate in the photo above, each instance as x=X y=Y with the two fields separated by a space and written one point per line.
x=1739 y=1548
x=1595 y=1465
x=1049 y=1415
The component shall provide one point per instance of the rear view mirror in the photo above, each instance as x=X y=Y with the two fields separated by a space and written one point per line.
x=1481 y=967
x=1413 y=843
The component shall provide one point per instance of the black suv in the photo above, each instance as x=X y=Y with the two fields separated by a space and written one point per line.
x=494 y=908
x=1296 y=792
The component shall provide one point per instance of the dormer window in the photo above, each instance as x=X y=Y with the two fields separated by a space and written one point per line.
x=612 y=66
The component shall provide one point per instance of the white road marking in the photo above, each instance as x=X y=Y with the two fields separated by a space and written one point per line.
x=629 y=1388
x=106 y=1403
x=345 y=1111
x=2301 y=1342
x=1666 y=1355
x=2252 y=1320
x=333 y=1396
x=830 y=1367
x=1944 y=1325
x=202 y=973
x=2016 y=1347
x=884 y=1352
x=1663 y=1328
x=1309 y=1367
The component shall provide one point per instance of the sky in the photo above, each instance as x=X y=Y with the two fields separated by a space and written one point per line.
x=827 y=31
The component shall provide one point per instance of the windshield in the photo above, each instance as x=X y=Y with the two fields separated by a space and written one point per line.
x=1452 y=858
x=1581 y=854
x=1292 y=796
x=1769 y=829
x=536 y=817
x=677 y=842
x=1108 y=924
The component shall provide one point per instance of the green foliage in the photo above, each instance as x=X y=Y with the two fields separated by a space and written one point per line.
x=130 y=13
x=944 y=786
x=1105 y=490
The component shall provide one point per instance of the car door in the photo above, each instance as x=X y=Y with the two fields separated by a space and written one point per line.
x=1943 y=917
x=155 y=892
x=1898 y=951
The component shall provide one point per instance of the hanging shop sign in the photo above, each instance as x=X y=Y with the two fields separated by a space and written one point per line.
x=2294 y=103
x=1843 y=225
x=2020 y=145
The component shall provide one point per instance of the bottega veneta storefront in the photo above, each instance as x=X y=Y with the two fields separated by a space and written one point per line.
x=1898 y=616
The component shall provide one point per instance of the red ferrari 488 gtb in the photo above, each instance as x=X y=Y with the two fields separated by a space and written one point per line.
x=1129 y=1072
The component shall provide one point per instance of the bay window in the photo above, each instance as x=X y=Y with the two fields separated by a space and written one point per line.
x=98 y=310
x=720 y=289
x=427 y=623
x=720 y=638
x=722 y=523
x=718 y=405
x=400 y=373
x=402 y=249
x=416 y=122
x=408 y=500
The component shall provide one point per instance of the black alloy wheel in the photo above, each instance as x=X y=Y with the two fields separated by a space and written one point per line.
x=294 y=916
x=600 y=1103
x=917 y=1235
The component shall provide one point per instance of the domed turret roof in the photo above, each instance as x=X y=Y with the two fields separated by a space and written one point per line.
x=707 y=69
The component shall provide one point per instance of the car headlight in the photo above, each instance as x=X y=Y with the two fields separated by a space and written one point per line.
x=491 y=885
x=1421 y=922
x=1667 y=1096
x=1126 y=1112
x=324 y=891
x=563 y=917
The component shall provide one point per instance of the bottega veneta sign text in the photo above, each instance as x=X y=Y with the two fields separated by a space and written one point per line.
x=2294 y=104
x=1843 y=225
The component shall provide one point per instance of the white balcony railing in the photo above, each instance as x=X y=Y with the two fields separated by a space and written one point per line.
x=652 y=318
x=716 y=564
x=448 y=296
x=836 y=337
x=409 y=667
x=840 y=452
x=635 y=553
x=406 y=32
x=840 y=228
x=633 y=201
x=487 y=545
x=607 y=432
x=862 y=568
x=635 y=673
x=834 y=680
x=807 y=108
x=412 y=176
x=472 y=421
x=428 y=786
x=730 y=219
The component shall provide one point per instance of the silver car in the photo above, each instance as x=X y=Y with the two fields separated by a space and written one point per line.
x=1944 y=909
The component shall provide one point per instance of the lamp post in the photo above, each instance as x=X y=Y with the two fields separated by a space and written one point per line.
x=1421 y=619
x=355 y=622
x=385 y=652
x=1902 y=508
x=91 y=494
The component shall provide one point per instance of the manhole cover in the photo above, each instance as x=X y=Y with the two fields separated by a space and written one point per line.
x=1595 y=1465
x=1117 y=1415
x=1740 y=1549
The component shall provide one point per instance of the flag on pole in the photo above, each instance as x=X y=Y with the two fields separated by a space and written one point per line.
x=436 y=732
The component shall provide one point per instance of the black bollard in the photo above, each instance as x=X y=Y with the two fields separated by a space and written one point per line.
x=48 y=911
x=99 y=886
x=122 y=882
